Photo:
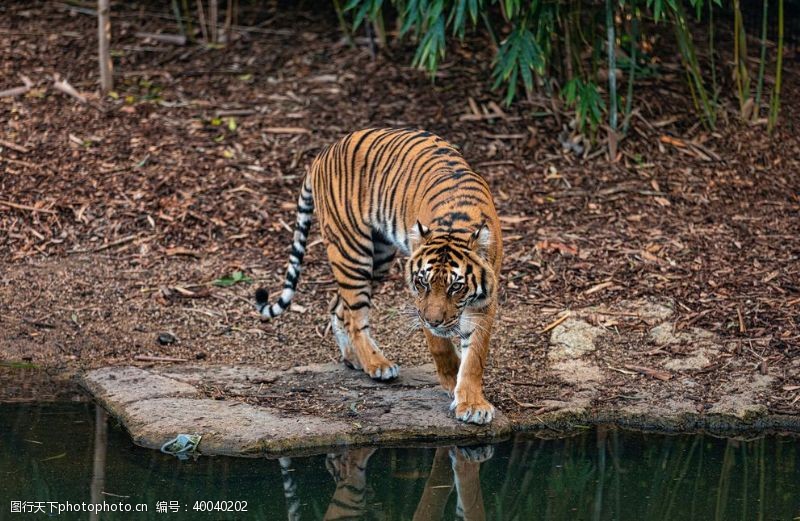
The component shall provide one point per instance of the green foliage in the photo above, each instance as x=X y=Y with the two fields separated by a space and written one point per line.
x=589 y=105
x=233 y=278
x=368 y=9
x=547 y=43
x=518 y=55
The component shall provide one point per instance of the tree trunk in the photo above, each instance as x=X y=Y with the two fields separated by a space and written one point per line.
x=103 y=51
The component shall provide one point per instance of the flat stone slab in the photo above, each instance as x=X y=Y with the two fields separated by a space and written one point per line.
x=155 y=405
x=315 y=408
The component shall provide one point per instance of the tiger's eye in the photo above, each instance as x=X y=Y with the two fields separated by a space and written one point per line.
x=456 y=287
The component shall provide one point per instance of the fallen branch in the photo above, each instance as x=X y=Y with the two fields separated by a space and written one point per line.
x=26 y=208
x=599 y=287
x=556 y=322
x=174 y=39
x=16 y=91
x=118 y=242
x=13 y=146
x=146 y=358
x=655 y=373
x=64 y=86
x=286 y=130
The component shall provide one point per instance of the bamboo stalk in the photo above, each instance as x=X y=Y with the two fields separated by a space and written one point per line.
x=763 y=59
x=740 y=56
x=228 y=21
x=775 y=102
x=612 y=66
x=712 y=59
x=103 y=51
x=567 y=48
x=188 y=16
x=342 y=23
x=380 y=30
x=201 y=20
x=694 y=76
x=611 y=42
x=632 y=71
x=176 y=12
x=213 y=17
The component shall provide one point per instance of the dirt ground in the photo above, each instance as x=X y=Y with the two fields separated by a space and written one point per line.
x=116 y=215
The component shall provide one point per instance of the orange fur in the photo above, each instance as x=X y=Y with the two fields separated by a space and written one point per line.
x=379 y=191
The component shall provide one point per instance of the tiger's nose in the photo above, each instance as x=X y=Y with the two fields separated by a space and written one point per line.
x=434 y=319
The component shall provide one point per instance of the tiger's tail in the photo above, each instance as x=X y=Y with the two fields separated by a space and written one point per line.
x=305 y=209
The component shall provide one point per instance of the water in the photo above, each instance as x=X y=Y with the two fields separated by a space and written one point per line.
x=60 y=453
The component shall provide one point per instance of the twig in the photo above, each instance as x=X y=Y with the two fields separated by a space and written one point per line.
x=174 y=39
x=66 y=88
x=286 y=130
x=599 y=287
x=146 y=358
x=655 y=373
x=742 y=328
x=26 y=208
x=13 y=146
x=556 y=322
x=118 y=242
x=16 y=91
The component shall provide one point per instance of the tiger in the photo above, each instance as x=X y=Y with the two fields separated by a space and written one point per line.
x=452 y=468
x=380 y=191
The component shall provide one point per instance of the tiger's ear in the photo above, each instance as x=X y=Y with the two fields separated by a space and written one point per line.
x=480 y=238
x=418 y=234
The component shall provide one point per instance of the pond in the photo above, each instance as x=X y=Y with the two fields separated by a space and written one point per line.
x=64 y=454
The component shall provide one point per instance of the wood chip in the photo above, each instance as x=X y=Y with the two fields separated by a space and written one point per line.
x=13 y=146
x=17 y=91
x=599 y=287
x=64 y=86
x=173 y=39
x=514 y=219
x=25 y=207
x=147 y=358
x=655 y=373
x=556 y=322
x=286 y=130
x=181 y=251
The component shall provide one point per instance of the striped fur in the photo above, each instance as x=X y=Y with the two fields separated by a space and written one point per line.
x=382 y=191
x=453 y=468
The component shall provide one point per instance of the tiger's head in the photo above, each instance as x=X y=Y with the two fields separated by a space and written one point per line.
x=447 y=274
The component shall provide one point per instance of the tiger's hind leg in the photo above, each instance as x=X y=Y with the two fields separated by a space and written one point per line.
x=350 y=314
x=349 y=356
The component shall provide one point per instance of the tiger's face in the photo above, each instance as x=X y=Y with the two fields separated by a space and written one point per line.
x=448 y=274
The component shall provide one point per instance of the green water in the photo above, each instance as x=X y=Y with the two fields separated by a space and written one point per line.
x=58 y=453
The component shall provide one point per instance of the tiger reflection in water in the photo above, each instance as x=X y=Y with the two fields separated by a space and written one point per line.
x=453 y=467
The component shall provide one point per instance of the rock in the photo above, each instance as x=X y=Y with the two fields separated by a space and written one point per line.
x=664 y=334
x=572 y=338
x=166 y=339
x=122 y=386
x=705 y=346
x=740 y=398
x=155 y=408
x=580 y=373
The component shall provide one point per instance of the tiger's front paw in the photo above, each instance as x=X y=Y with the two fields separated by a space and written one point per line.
x=472 y=408
x=382 y=370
